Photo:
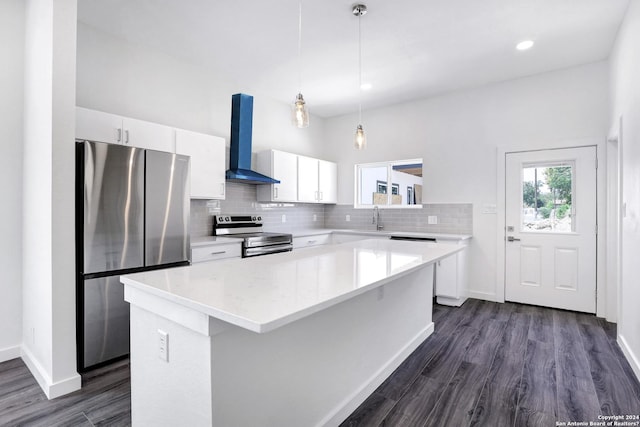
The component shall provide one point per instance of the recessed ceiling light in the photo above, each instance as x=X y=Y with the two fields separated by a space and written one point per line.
x=524 y=45
x=366 y=86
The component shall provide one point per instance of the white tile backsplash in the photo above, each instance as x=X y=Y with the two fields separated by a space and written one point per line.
x=454 y=218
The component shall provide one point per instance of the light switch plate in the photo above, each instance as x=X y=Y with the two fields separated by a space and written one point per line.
x=348 y=218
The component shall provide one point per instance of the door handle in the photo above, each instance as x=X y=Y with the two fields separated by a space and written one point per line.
x=512 y=239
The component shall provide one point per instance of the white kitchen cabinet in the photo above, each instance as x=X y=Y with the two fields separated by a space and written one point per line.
x=215 y=252
x=344 y=238
x=451 y=279
x=317 y=180
x=283 y=167
x=98 y=126
x=302 y=179
x=151 y=136
x=328 y=181
x=300 y=242
x=105 y=127
x=207 y=163
x=308 y=180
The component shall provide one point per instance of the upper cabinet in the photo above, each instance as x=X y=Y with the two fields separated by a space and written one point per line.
x=327 y=181
x=283 y=167
x=302 y=179
x=207 y=163
x=308 y=180
x=207 y=152
x=317 y=180
x=104 y=127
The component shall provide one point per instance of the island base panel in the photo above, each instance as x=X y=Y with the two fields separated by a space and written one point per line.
x=314 y=371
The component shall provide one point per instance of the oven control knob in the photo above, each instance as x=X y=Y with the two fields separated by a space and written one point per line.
x=220 y=219
x=253 y=218
x=259 y=218
x=227 y=219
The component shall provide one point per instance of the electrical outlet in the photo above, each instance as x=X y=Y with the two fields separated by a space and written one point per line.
x=348 y=218
x=284 y=218
x=163 y=345
x=315 y=217
x=432 y=219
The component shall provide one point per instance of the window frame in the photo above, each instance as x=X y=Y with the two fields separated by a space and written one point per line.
x=389 y=165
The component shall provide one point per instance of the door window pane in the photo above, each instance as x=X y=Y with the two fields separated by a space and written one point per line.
x=547 y=198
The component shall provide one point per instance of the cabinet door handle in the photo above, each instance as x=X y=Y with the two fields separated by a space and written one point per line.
x=321 y=195
x=126 y=136
x=222 y=188
x=311 y=242
x=275 y=192
x=119 y=135
x=218 y=253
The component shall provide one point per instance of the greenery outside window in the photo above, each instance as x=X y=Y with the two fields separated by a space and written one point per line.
x=547 y=197
x=372 y=181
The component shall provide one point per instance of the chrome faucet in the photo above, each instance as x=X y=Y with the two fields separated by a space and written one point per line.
x=376 y=218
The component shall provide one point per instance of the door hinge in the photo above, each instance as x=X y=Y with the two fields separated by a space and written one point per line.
x=596 y=227
x=596 y=163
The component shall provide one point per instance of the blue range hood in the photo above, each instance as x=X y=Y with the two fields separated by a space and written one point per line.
x=240 y=154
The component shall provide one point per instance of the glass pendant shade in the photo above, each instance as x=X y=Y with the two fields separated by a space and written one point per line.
x=360 y=140
x=299 y=112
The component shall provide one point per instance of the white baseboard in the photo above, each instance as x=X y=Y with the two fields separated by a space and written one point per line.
x=9 y=353
x=632 y=358
x=50 y=388
x=352 y=402
x=486 y=296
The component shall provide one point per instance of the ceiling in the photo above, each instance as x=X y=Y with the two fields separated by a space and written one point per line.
x=411 y=49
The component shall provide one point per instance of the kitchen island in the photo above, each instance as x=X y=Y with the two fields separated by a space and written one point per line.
x=290 y=339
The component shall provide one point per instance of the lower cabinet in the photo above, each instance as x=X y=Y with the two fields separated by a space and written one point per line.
x=344 y=238
x=300 y=242
x=451 y=279
x=215 y=252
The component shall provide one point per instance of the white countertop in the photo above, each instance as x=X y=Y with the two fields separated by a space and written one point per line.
x=263 y=293
x=386 y=233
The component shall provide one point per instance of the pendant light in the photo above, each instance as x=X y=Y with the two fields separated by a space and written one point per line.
x=360 y=141
x=299 y=111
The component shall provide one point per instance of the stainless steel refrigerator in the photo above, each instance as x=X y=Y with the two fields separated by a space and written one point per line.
x=132 y=215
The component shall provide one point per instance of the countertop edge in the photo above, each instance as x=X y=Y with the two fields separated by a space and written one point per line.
x=272 y=324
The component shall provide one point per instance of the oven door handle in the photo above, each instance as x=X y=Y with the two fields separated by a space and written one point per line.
x=267 y=250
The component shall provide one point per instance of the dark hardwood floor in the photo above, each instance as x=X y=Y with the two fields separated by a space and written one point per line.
x=104 y=400
x=486 y=364
x=514 y=365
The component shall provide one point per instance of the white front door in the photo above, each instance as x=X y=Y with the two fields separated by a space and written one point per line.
x=550 y=244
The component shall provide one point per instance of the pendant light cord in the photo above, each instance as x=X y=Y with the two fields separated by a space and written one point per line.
x=359 y=68
x=300 y=48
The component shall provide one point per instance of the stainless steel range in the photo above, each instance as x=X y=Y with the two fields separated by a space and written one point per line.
x=249 y=228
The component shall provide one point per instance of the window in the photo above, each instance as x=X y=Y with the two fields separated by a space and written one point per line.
x=547 y=193
x=374 y=179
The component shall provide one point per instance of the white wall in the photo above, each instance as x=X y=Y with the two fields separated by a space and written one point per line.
x=11 y=82
x=48 y=343
x=457 y=136
x=625 y=102
x=122 y=78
